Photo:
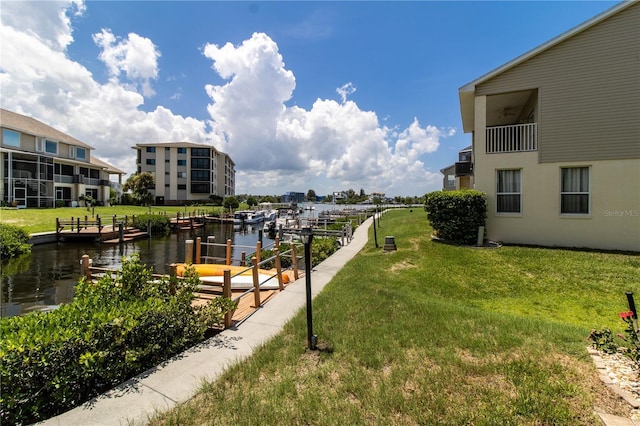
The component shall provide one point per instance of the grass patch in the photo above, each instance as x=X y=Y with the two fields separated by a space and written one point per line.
x=44 y=220
x=434 y=334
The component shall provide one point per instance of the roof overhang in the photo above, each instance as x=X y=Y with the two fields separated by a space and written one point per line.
x=467 y=92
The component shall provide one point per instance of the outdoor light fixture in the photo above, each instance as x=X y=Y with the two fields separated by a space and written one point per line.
x=306 y=235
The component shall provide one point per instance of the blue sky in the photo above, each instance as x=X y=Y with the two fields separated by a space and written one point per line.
x=303 y=95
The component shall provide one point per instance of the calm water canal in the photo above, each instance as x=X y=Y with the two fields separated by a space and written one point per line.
x=48 y=276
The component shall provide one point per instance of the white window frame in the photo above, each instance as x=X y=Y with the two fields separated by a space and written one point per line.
x=39 y=144
x=12 y=132
x=510 y=192
x=576 y=191
x=72 y=151
x=84 y=153
x=49 y=141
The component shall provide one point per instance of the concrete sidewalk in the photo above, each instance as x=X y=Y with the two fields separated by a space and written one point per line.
x=178 y=379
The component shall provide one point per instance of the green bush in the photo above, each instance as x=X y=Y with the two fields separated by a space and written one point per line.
x=456 y=215
x=321 y=248
x=285 y=261
x=159 y=222
x=13 y=241
x=114 y=329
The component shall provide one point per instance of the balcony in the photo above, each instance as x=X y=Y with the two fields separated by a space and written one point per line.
x=464 y=168
x=512 y=138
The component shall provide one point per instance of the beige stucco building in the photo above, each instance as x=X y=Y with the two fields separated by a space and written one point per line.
x=556 y=138
x=186 y=171
x=41 y=166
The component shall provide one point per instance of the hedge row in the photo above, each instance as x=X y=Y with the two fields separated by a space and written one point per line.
x=321 y=248
x=159 y=222
x=114 y=329
x=14 y=241
x=456 y=215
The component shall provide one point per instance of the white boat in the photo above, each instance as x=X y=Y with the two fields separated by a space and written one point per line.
x=248 y=217
x=255 y=217
x=283 y=217
x=270 y=221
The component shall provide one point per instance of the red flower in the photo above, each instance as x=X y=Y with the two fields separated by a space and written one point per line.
x=625 y=315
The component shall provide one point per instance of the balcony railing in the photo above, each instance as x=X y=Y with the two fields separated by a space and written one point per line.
x=63 y=178
x=464 y=168
x=512 y=138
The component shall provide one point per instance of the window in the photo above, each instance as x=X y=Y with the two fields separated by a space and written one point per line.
x=39 y=144
x=182 y=186
x=200 y=188
x=151 y=149
x=151 y=161
x=64 y=169
x=574 y=192
x=167 y=173
x=182 y=174
x=51 y=147
x=182 y=162
x=200 y=175
x=9 y=137
x=182 y=150
x=81 y=153
x=200 y=163
x=508 y=195
x=71 y=152
x=464 y=156
x=200 y=152
x=166 y=148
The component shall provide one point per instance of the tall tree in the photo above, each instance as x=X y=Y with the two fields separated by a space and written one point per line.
x=231 y=203
x=139 y=184
x=311 y=195
x=252 y=201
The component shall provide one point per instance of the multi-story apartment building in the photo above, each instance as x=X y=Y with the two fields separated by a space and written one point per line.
x=186 y=171
x=44 y=167
x=556 y=138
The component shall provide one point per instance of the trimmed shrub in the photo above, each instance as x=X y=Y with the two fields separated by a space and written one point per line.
x=159 y=222
x=321 y=248
x=13 y=241
x=114 y=329
x=456 y=215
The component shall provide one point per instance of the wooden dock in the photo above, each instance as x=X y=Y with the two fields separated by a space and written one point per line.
x=246 y=302
x=249 y=298
x=113 y=230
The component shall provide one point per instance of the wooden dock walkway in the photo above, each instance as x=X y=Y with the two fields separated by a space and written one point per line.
x=104 y=234
x=246 y=302
x=249 y=298
x=112 y=230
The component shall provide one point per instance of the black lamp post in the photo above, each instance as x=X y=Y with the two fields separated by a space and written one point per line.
x=306 y=234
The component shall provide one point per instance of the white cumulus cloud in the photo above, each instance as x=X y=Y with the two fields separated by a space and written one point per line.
x=333 y=145
x=48 y=21
x=337 y=141
x=136 y=57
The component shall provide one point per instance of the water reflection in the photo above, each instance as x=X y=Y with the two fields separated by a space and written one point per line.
x=48 y=276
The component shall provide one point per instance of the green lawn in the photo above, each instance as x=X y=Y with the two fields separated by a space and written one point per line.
x=435 y=334
x=44 y=220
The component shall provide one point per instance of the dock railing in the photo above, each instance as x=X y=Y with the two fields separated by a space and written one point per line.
x=78 y=224
x=223 y=289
